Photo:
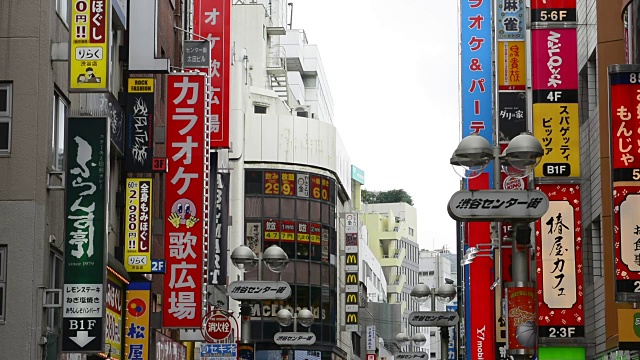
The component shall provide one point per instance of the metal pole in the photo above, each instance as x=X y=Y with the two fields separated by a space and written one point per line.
x=245 y=321
x=444 y=342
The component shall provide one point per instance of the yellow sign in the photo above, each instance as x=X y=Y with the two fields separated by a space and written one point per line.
x=89 y=58
x=141 y=85
x=352 y=279
x=352 y=318
x=512 y=68
x=352 y=259
x=352 y=298
x=629 y=326
x=137 y=250
x=137 y=333
x=113 y=317
x=557 y=127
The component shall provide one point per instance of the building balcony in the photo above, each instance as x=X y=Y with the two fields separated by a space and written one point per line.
x=395 y=257
x=396 y=284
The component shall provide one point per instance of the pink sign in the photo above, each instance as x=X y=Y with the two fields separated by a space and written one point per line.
x=555 y=59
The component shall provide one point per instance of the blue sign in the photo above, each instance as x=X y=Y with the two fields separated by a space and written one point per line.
x=357 y=174
x=476 y=68
x=158 y=266
x=229 y=350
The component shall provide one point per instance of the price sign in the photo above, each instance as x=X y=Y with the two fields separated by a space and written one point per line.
x=325 y=189
x=316 y=187
x=271 y=183
x=288 y=181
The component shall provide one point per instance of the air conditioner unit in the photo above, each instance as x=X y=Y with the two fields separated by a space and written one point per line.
x=52 y=298
x=303 y=110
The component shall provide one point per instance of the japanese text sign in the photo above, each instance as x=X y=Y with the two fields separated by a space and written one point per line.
x=218 y=350
x=113 y=316
x=259 y=290
x=559 y=261
x=476 y=68
x=495 y=205
x=140 y=125
x=512 y=70
x=212 y=20
x=184 y=196
x=196 y=54
x=89 y=29
x=85 y=231
x=352 y=266
x=138 y=220
x=137 y=331
x=626 y=231
x=294 y=338
x=557 y=128
x=625 y=115
x=512 y=115
x=216 y=326
x=511 y=24
x=555 y=59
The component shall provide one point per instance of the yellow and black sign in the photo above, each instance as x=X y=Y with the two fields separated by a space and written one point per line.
x=141 y=85
x=352 y=279
x=352 y=259
x=352 y=318
x=352 y=298
x=557 y=127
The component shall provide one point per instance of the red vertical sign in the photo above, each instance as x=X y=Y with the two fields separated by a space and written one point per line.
x=559 y=263
x=481 y=324
x=182 y=296
x=212 y=20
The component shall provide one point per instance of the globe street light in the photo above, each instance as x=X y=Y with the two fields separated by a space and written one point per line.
x=242 y=257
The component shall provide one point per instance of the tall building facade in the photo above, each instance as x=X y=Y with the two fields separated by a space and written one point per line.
x=393 y=235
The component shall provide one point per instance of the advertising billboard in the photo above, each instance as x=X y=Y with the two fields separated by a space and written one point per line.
x=559 y=264
x=90 y=29
x=212 y=21
x=184 y=194
x=624 y=83
x=138 y=332
x=86 y=217
x=140 y=125
x=138 y=215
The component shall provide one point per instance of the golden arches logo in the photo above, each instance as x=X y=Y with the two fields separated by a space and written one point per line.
x=352 y=259
x=352 y=318
x=352 y=298
x=352 y=279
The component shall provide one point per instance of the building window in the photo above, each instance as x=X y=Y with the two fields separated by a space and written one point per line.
x=259 y=109
x=62 y=8
x=57 y=136
x=3 y=281
x=410 y=231
x=5 y=117
x=55 y=282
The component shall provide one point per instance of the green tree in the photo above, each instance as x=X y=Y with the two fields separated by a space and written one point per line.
x=383 y=197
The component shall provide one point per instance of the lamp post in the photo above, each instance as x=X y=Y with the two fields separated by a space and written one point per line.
x=276 y=260
x=522 y=154
x=442 y=319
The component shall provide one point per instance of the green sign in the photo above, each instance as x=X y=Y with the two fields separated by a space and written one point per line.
x=85 y=231
x=357 y=174
x=561 y=353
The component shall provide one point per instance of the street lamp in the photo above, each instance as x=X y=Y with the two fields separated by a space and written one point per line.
x=242 y=257
x=286 y=318
x=444 y=294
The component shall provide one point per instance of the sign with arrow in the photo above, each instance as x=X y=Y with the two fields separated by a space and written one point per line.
x=86 y=217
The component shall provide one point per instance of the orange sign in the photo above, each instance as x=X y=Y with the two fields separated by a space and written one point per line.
x=271 y=183
x=512 y=70
x=288 y=187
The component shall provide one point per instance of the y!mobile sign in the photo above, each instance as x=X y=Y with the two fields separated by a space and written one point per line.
x=624 y=95
x=476 y=68
x=559 y=264
x=212 y=20
x=184 y=201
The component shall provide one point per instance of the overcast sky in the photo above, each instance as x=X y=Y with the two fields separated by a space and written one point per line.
x=392 y=68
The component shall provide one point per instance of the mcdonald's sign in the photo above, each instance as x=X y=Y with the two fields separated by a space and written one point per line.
x=352 y=279
x=351 y=263
x=352 y=318
x=352 y=298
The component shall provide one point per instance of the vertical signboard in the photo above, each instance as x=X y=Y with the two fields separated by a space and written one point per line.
x=511 y=20
x=521 y=303
x=86 y=217
x=113 y=326
x=559 y=264
x=137 y=251
x=555 y=101
x=512 y=114
x=212 y=20
x=351 y=272
x=137 y=330
x=480 y=318
x=624 y=82
x=512 y=65
x=218 y=234
x=476 y=72
x=90 y=29
x=184 y=194
x=140 y=125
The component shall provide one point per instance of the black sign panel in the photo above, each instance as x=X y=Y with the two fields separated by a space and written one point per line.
x=561 y=331
x=85 y=334
x=140 y=125
x=196 y=54
x=218 y=223
x=553 y=15
x=556 y=169
x=512 y=114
